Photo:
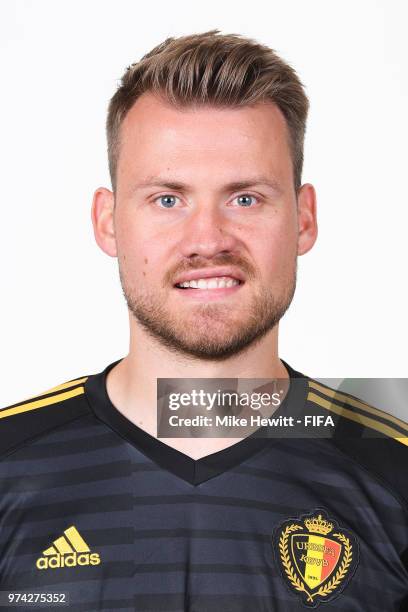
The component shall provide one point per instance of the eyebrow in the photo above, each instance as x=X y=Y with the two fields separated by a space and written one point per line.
x=157 y=181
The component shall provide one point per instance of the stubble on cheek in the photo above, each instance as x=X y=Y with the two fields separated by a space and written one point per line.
x=212 y=330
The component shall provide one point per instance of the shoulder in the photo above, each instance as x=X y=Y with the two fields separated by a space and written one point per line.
x=30 y=418
x=375 y=439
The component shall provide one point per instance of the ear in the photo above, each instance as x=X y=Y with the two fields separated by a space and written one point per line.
x=307 y=219
x=103 y=220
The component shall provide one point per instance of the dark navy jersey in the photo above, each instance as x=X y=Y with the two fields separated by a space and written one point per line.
x=94 y=507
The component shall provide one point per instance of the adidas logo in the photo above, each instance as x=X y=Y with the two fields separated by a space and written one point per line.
x=67 y=551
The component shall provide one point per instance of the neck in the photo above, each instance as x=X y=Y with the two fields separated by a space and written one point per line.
x=132 y=384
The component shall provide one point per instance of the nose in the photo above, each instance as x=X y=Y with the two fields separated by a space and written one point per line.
x=206 y=233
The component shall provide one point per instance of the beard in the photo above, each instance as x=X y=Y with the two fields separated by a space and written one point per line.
x=210 y=331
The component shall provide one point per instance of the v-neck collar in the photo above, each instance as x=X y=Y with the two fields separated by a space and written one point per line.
x=194 y=471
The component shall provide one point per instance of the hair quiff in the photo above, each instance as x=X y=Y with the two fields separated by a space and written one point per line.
x=221 y=70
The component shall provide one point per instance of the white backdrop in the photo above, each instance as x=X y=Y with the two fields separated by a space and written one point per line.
x=62 y=310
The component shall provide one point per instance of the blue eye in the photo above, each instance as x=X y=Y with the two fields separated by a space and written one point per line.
x=245 y=199
x=167 y=201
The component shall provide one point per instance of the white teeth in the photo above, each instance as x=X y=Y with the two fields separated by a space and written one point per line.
x=217 y=282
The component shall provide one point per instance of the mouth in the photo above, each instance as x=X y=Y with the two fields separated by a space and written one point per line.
x=210 y=288
x=211 y=283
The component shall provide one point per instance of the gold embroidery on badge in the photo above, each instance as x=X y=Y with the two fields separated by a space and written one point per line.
x=316 y=558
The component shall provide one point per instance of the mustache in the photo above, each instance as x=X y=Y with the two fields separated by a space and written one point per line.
x=198 y=262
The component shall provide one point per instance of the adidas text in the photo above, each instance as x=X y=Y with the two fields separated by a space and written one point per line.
x=68 y=560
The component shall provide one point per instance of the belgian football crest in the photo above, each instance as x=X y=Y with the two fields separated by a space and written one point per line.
x=316 y=556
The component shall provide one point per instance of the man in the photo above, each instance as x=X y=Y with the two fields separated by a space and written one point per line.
x=207 y=216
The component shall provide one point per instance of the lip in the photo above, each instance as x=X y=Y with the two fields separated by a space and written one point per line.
x=209 y=273
x=208 y=295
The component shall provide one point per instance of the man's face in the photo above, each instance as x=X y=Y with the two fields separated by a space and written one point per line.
x=181 y=215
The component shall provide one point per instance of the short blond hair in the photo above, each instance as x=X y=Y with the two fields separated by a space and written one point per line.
x=213 y=69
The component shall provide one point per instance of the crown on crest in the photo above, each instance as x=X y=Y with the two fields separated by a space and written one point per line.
x=318 y=525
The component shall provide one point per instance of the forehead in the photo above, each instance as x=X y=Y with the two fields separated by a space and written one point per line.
x=157 y=136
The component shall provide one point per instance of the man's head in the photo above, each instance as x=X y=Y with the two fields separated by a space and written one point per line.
x=205 y=139
x=210 y=69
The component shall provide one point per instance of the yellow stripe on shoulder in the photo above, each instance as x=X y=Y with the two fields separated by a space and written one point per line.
x=40 y=403
x=367 y=421
x=352 y=401
x=65 y=385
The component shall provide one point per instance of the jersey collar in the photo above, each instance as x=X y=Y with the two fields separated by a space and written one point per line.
x=191 y=470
